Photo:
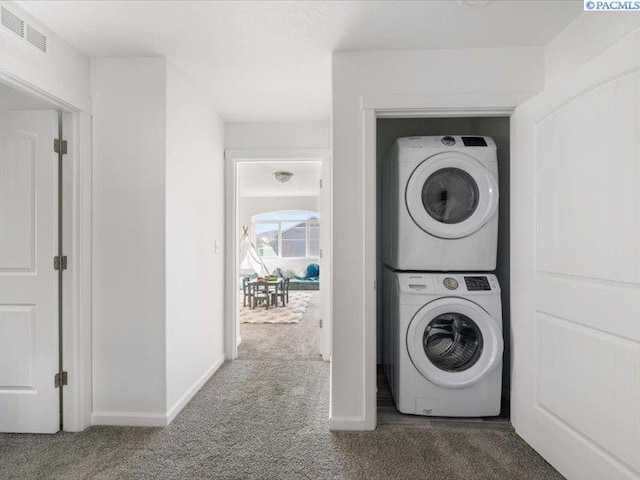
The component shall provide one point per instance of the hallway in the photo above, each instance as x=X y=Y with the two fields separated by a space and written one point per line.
x=265 y=415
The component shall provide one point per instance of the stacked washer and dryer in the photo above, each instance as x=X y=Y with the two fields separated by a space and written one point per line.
x=442 y=316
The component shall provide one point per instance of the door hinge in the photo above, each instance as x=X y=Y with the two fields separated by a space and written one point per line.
x=59 y=146
x=320 y=321
x=320 y=183
x=60 y=379
x=60 y=262
x=320 y=253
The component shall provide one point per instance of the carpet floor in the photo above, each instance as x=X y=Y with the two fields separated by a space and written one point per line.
x=260 y=417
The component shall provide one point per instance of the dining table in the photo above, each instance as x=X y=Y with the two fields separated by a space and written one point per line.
x=266 y=287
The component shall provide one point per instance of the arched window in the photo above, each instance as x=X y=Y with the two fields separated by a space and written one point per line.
x=287 y=234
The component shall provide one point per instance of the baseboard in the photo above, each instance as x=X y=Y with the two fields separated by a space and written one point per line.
x=180 y=404
x=129 y=419
x=138 y=419
x=350 y=423
x=239 y=341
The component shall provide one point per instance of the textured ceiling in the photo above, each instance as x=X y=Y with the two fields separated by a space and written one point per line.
x=271 y=60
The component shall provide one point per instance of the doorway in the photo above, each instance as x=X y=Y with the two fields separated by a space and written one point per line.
x=31 y=286
x=387 y=130
x=45 y=357
x=278 y=260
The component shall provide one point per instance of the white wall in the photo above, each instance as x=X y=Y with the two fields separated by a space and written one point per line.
x=248 y=206
x=129 y=97
x=158 y=215
x=63 y=72
x=194 y=223
x=586 y=37
x=474 y=72
x=276 y=135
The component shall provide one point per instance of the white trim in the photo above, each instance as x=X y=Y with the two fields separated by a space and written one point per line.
x=141 y=419
x=77 y=280
x=326 y=239
x=26 y=87
x=129 y=419
x=232 y=158
x=471 y=104
x=77 y=225
x=395 y=106
x=231 y=267
x=348 y=423
x=275 y=155
x=180 y=404
x=369 y=267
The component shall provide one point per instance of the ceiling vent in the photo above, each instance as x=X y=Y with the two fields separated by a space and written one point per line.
x=37 y=39
x=18 y=26
x=12 y=22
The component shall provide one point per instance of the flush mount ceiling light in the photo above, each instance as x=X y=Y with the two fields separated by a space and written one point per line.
x=472 y=3
x=283 y=177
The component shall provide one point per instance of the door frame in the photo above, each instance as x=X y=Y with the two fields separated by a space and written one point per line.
x=77 y=243
x=232 y=237
x=376 y=106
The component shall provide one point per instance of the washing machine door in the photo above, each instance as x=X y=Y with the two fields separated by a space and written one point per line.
x=451 y=195
x=454 y=342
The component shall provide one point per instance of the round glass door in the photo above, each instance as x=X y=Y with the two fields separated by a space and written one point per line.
x=451 y=195
x=452 y=342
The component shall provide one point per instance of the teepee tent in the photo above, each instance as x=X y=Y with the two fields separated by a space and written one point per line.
x=249 y=257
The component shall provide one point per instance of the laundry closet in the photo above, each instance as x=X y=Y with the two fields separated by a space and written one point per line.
x=468 y=273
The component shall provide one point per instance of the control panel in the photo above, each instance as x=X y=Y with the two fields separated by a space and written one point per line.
x=478 y=283
x=474 y=141
x=447 y=283
x=446 y=142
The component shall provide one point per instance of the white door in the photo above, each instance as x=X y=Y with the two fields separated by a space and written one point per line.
x=29 y=401
x=575 y=269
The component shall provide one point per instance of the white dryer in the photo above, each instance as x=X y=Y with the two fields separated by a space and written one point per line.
x=440 y=204
x=443 y=343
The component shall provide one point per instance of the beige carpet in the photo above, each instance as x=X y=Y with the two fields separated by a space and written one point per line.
x=292 y=313
x=266 y=416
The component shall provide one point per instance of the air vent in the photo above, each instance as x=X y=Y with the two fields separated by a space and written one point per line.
x=18 y=26
x=37 y=39
x=12 y=22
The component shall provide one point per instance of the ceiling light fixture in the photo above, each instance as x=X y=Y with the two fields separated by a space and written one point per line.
x=472 y=3
x=283 y=177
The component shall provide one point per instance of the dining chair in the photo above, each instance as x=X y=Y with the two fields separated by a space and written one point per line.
x=283 y=293
x=246 y=292
x=260 y=294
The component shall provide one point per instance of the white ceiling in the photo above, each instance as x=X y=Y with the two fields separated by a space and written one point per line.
x=271 y=60
x=257 y=180
x=12 y=99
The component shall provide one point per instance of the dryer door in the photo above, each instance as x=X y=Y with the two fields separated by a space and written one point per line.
x=454 y=343
x=451 y=195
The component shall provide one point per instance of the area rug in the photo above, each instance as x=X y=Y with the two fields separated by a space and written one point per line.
x=292 y=313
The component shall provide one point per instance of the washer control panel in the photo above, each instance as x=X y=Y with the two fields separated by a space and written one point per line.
x=448 y=283
x=477 y=283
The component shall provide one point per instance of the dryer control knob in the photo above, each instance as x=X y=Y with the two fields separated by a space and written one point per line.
x=451 y=283
x=448 y=141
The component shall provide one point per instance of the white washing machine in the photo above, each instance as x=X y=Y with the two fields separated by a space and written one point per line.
x=443 y=343
x=440 y=204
